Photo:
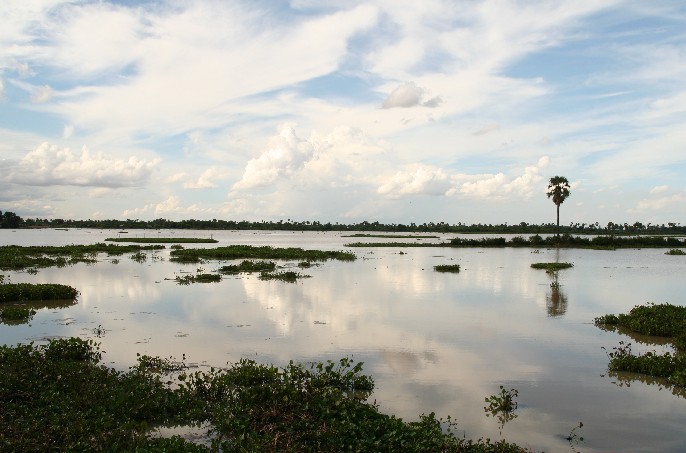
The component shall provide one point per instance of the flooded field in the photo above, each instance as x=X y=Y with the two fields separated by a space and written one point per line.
x=433 y=341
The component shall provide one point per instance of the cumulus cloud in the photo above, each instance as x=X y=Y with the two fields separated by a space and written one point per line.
x=285 y=154
x=500 y=186
x=50 y=165
x=409 y=95
x=206 y=179
x=416 y=180
x=658 y=189
x=675 y=202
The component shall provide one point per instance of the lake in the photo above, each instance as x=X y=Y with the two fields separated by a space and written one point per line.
x=433 y=342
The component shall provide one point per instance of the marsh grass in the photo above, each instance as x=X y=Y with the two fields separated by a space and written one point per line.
x=662 y=320
x=284 y=276
x=390 y=236
x=26 y=292
x=60 y=397
x=233 y=252
x=248 y=267
x=14 y=257
x=197 y=278
x=551 y=267
x=11 y=315
x=675 y=252
x=455 y=268
x=152 y=240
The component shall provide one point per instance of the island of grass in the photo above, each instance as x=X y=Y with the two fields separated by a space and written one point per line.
x=285 y=276
x=164 y=240
x=16 y=315
x=233 y=252
x=537 y=241
x=551 y=267
x=198 y=278
x=15 y=257
x=675 y=252
x=60 y=397
x=28 y=292
x=248 y=267
x=455 y=268
x=662 y=320
x=390 y=236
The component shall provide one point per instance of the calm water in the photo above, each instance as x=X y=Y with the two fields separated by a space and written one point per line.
x=433 y=342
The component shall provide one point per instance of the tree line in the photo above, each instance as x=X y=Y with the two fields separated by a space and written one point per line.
x=11 y=220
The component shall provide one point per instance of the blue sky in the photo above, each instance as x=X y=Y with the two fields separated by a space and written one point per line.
x=342 y=111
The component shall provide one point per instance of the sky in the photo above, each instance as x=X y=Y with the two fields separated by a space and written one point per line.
x=343 y=111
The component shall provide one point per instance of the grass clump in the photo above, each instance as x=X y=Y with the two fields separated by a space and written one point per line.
x=59 y=397
x=15 y=257
x=27 y=292
x=447 y=268
x=198 y=278
x=552 y=267
x=248 y=266
x=663 y=320
x=675 y=252
x=285 y=276
x=165 y=240
x=233 y=252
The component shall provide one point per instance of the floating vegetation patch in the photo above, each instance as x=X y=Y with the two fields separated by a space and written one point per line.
x=14 y=257
x=389 y=236
x=60 y=397
x=675 y=252
x=447 y=268
x=663 y=320
x=551 y=267
x=139 y=257
x=285 y=276
x=396 y=244
x=198 y=278
x=233 y=252
x=26 y=292
x=304 y=264
x=165 y=240
x=248 y=266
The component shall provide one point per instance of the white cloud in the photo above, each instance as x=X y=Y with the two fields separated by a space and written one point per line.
x=409 y=95
x=416 y=180
x=50 y=165
x=285 y=154
x=675 y=203
x=206 y=179
x=42 y=94
x=659 y=189
x=500 y=186
x=168 y=206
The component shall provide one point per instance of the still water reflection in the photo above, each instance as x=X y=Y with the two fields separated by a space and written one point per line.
x=432 y=341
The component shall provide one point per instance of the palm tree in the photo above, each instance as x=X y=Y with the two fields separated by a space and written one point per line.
x=558 y=189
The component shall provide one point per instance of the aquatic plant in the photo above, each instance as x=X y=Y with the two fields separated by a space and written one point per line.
x=285 y=276
x=14 y=257
x=139 y=257
x=24 y=292
x=232 y=252
x=552 y=266
x=248 y=266
x=447 y=268
x=60 y=397
x=156 y=240
x=502 y=406
x=197 y=278
x=675 y=252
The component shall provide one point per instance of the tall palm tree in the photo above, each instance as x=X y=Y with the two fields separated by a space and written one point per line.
x=558 y=190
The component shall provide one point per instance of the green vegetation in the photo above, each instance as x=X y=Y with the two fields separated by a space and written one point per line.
x=59 y=397
x=285 y=276
x=558 y=190
x=15 y=257
x=232 y=252
x=502 y=406
x=248 y=266
x=551 y=267
x=152 y=240
x=675 y=252
x=664 y=320
x=24 y=292
x=447 y=268
x=395 y=244
x=389 y=236
x=198 y=278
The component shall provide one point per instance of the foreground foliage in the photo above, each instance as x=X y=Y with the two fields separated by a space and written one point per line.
x=59 y=397
x=664 y=320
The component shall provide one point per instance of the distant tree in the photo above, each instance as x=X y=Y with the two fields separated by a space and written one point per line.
x=558 y=190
